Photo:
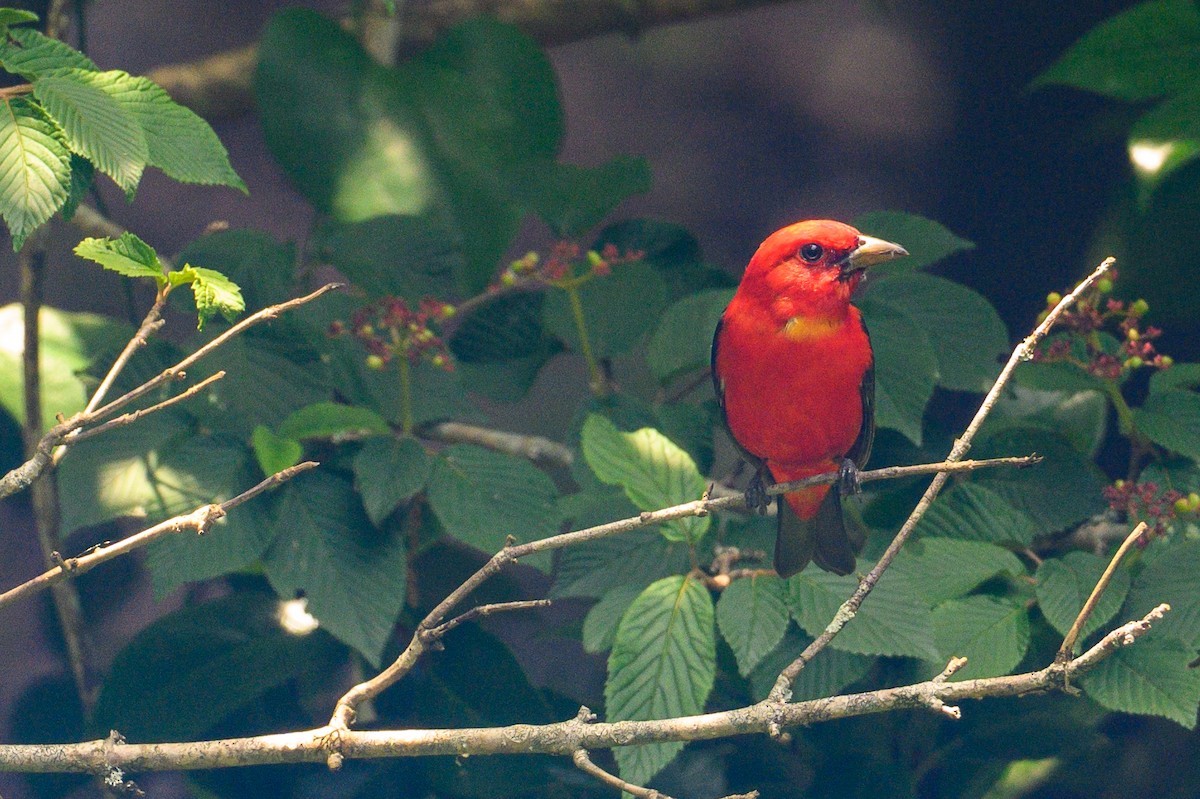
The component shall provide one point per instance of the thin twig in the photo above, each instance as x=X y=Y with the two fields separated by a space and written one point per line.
x=1068 y=645
x=484 y=610
x=535 y=448
x=133 y=416
x=781 y=692
x=198 y=520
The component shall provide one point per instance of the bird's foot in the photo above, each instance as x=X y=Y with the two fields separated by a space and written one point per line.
x=756 y=494
x=849 y=479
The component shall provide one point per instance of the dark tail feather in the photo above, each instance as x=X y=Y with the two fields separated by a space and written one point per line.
x=822 y=539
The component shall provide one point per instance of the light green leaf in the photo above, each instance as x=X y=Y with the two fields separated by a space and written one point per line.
x=825 y=676
x=126 y=255
x=906 y=368
x=894 y=620
x=214 y=293
x=482 y=497
x=1172 y=419
x=1171 y=132
x=973 y=512
x=938 y=569
x=753 y=616
x=653 y=471
x=619 y=309
x=927 y=241
x=1149 y=51
x=274 y=452
x=30 y=54
x=35 y=168
x=601 y=622
x=326 y=549
x=96 y=126
x=331 y=420
x=14 y=16
x=682 y=341
x=1171 y=578
x=388 y=471
x=992 y=634
x=1150 y=677
x=662 y=665
x=1064 y=584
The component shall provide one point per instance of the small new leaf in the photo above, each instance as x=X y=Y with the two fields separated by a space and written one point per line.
x=126 y=255
x=214 y=293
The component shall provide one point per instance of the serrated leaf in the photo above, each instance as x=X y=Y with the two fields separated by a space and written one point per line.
x=1180 y=375
x=944 y=568
x=214 y=293
x=679 y=343
x=126 y=255
x=274 y=452
x=14 y=16
x=573 y=199
x=654 y=472
x=262 y=267
x=927 y=241
x=389 y=471
x=825 y=676
x=234 y=543
x=991 y=633
x=178 y=141
x=894 y=620
x=1081 y=417
x=30 y=53
x=1149 y=51
x=1171 y=578
x=326 y=550
x=601 y=622
x=619 y=309
x=393 y=256
x=1150 y=677
x=35 y=168
x=481 y=497
x=1064 y=584
x=200 y=665
x=752 y=614
x=332 y=419
x=96 y=126
x=662 y=665
x=964 y=329
x=906 y=368
x=973 y=512
x=1172 y=419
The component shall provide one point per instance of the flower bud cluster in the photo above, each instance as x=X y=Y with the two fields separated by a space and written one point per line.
x=1149 y=502
x=559 y=265
x=390 y=329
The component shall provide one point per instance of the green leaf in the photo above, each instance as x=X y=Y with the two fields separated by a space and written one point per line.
x=662 y=665
x=1169 y=132
x=1171 y=578
x=14 y=16
x=619 y=310
x=894 y=620
x=671 y=250
x=332 y=420
x=992 y=634
x=974 y=512
x=1180 y=375
x=274 y=452
x=233 y=544
x=964 y=329
x=905 y=368
x=200 y=665
x=96 y=125
x=1064 y=584
x=653 y=471
x=30 y=54
x=1081 y=417
x=679 y=344
x=1172 y=419
x=35 y=168
x=127 y=255
x=1149 y=51
x=83 y=178
x=927 y=241
x=572 y=199
x=394 y=256
x=944 y=568
x=753 y=616
x=601 y=622
x=825 y=676
x=482 y=497
x=262 y=267
x=1150 y=677
x=214 y=293
x=326 y=549
x=389 y=471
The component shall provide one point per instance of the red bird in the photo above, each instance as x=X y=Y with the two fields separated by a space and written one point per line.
x=794 y=374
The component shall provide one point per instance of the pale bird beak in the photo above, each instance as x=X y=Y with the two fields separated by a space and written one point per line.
x=870 y=252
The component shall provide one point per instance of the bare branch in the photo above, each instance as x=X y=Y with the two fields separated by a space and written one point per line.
x=133 y=416
x=1068 y=645
x=534 y=448
x=781 y=692
x=481 y=611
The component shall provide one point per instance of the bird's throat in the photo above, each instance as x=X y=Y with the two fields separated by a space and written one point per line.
x=811 y=328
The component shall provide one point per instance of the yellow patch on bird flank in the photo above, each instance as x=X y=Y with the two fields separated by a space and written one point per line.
x=808 y=328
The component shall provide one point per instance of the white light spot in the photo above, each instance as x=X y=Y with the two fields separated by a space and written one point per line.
x=294 y=617
x=1149 y=157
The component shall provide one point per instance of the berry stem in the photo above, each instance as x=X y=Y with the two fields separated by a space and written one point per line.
x=406 y=410
x=598 y=384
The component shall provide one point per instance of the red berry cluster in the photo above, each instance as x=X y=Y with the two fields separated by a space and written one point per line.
x=390 y=329
x=558 y=267
x=1151 y=503
x=1091 y=314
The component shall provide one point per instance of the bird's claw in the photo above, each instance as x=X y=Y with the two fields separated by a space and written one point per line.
x=849 y=479
x=756 y=494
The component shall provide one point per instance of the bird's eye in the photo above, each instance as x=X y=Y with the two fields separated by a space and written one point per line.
x=811 y=252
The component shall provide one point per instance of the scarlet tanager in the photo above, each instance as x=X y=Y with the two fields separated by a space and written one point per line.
x=793 y=371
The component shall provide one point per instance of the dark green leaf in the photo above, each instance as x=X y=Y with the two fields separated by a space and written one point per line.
x=572 y=199
x=670 y=249
x=679 y=343
x=619 y=309
x=388 y=471
x=974 y=512
x=1149 y=51
x=992 y=634
x=944 y=568
x=394 y=256
x=273 y=452
x=1172 y=419
x=690 y=425
x=35 y=165
x=1056 y=376
x=1171 y=578
x=825 y=676
x=14 y=16
x=927 y=241
x=501 y=346
x=83 y=178
x=127 y=255
x=753 y=616
x=1180 y=375
x=1064 y=584
x=331 y=420
x=234 y=543
x=1081 y=417
x=326 y=550
x=601 y=622
x=906 y=368
x=1151 y=677
x=662 y=665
